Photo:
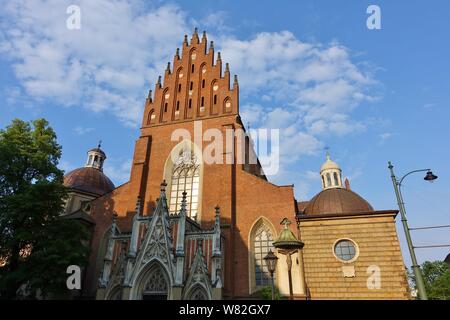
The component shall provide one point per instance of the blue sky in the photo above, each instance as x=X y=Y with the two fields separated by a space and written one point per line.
x=309 y=67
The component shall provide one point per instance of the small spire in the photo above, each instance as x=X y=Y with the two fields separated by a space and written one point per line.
x=177 y=53
x=149 y=96
x=99 y=144
x=159 y=80
x=183 y=203
x=347 y=184
x=114 y=224
x=217 y=208
x=138 y=206
x=185 y=39
x=163 y=186
x=195 y=38
x=168 y=67
x=204 y=36
x=219 y=58
x=235 y=79
x=227 y=67
x=327 y=153
x=211 y=45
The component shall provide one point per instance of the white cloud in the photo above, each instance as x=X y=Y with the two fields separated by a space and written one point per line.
x=216 y=21
x=384 y=137
x=118 y=170
x=79 y=130
x=429 y=105
x=307 y=90
x=105 y=66
x=251 y=113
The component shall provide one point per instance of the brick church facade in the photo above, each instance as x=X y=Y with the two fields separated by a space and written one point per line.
x=184 y=228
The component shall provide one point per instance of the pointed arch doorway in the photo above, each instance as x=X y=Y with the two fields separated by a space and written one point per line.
x=155 y=284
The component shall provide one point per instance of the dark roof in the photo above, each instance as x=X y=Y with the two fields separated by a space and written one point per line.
x=99 y=151
x=337 y=200
x=89 y=180
x=447 y=259
x=80 y=215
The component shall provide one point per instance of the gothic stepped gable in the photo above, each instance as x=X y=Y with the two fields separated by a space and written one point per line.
x=193 y=87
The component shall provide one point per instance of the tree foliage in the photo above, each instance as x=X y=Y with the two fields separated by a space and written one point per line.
x=436 y=276
x=36 y=244
x=266 y=293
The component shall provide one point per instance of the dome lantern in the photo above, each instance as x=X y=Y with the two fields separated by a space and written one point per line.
x=96 y=157
x=331 y=174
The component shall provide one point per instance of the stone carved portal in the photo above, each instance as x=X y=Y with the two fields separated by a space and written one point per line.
x=155 y=284
x=199 y=294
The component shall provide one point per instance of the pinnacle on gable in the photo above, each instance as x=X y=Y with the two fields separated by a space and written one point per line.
x=185 y=41
x=168 y=67
x=195 y=39
x=235 y=80
x=177 y=54
x=204 y=37
x=217 y=210
x=227 y=67
x=149 y=96
x=163 y=186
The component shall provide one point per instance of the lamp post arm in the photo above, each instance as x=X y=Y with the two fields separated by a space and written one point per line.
x=420 y=170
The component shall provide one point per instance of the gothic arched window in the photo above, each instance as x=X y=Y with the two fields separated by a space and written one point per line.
x=262 y=243
x=185 y=177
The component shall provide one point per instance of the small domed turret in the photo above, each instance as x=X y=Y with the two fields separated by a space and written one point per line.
x=331 y=174
x=96 y=157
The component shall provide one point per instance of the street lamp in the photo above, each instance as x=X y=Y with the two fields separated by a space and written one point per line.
x=430 y=176
x=288 y=244
x=271 y=261
x=398 y=192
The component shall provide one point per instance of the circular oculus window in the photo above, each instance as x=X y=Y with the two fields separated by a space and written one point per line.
x=345 y=250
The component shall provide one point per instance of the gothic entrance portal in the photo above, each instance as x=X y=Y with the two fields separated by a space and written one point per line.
x=155 y=284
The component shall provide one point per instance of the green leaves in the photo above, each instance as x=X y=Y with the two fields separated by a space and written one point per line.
x=436 y=275
x=28 y=153
x=36 y=243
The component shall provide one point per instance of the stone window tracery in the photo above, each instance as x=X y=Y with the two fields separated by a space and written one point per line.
x=263 y=242
x=185 y=177
x=199 y=294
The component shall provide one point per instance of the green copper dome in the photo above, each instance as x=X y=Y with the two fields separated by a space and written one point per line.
x=287 y=239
